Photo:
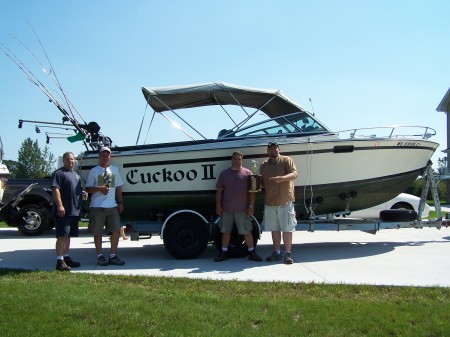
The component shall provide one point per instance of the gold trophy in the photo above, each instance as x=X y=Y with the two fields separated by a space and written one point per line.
x=254 y=180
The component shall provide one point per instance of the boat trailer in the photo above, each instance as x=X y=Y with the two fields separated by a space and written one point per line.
x=186 y=233
x=374 y=225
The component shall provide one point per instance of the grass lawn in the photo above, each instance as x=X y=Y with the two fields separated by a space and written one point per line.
x=75 y=304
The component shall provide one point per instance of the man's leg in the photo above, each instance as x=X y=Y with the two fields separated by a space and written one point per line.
x=114 y=242
x=276 y=255
x=225 y=240
x=62 y=235
x=252 y=256
x=67 y=246
x=276 y=239
x=249 y=240
x=98 y=243
x=73 y=232
x=226 y=226
x=61 y=245
x=287 y=240
x=113 y=225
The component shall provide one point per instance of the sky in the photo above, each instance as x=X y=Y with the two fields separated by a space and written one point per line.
x=362 y=63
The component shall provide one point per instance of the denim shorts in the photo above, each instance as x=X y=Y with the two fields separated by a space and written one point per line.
x=66 y=226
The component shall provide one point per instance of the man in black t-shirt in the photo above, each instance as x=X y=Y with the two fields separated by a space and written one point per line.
x=68 y=197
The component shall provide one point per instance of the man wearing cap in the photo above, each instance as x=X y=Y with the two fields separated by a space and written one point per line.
x=104 y=183
x=278 y=174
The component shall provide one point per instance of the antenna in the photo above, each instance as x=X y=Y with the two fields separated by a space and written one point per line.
x=1 y=150
x=312 y=107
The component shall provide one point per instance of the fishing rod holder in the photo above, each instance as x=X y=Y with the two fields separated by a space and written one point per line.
x=21 y=121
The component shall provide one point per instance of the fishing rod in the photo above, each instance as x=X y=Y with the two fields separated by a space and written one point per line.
x=52 y=70
x=87 y=132
x=47 y=140
x=1 y=150
x=44 y=69
x=38 y=128
x=31 y=77
x=57 y=133
x=35 y=80
x=21 y=121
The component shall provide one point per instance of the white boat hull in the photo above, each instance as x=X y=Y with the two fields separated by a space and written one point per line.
x=166 y=177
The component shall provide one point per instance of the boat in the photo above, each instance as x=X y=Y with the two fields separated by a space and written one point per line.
x=338 y=171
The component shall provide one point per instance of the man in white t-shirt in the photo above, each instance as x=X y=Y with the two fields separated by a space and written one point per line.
x=104 y=183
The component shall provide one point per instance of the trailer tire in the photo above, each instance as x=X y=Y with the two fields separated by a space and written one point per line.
x=237 y=246
x=185 y=237
x=33 y=220
x=399 y=215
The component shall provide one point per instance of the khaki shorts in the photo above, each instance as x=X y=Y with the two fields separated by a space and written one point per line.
x=100 y=218
x=243 y=222
x=280 y=218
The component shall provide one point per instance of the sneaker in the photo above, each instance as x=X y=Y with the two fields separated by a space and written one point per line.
x=221 y=257
x=71 y=263
x=274 y=257
x=252 y=256
x=288 y=258
x=116 y=261
x=62 y=266
x=101 y=261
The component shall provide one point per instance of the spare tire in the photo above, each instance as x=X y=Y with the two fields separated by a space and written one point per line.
x=399 y=215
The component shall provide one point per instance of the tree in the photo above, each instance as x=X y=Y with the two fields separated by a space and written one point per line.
x=418 y=185
x=32 y=162
x=12 y=167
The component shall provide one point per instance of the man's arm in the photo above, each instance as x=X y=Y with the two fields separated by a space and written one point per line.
x=219 y=209
x=58 y=202
x=119 y=199
x=292 y=175
x=287 y=177
x=251 y=203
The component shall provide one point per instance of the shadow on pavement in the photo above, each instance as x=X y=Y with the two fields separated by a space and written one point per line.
x=145 y=258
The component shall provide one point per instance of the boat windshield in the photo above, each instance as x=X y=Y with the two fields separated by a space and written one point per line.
x=298 y=122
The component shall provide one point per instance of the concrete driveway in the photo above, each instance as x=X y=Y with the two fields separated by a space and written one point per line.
x=418 y=257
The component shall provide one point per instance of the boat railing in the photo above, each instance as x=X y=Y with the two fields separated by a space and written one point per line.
x=404 y=131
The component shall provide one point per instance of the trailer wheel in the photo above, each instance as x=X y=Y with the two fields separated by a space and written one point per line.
x=237 y=246
x=399 y=215
x=33 y=220
x=185 y=237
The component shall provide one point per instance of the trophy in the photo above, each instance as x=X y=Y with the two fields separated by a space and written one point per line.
x=254 y=180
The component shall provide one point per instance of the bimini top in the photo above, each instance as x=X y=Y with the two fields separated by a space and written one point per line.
x=274 y=103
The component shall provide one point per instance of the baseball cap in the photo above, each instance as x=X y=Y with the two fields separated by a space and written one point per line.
x=105 y=148
x=273 y=144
